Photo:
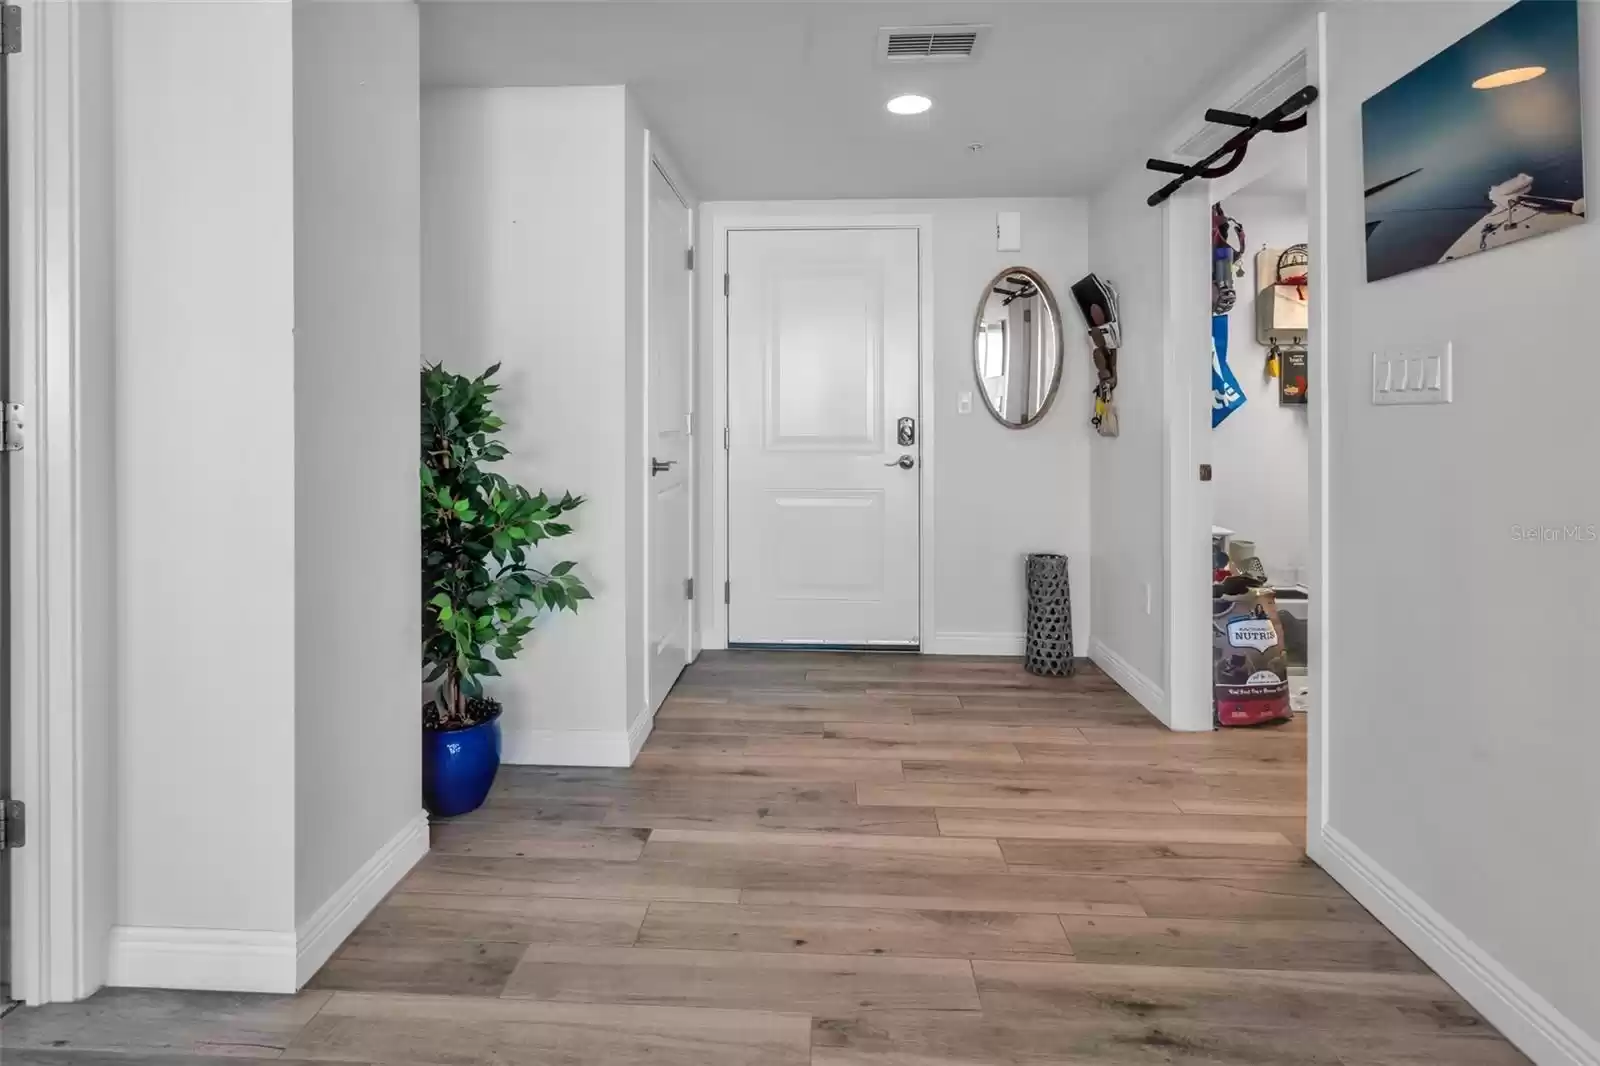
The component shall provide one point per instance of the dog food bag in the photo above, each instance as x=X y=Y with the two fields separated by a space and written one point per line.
x=1250 y=670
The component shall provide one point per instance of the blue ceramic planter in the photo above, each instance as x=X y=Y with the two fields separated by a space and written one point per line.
x=458 y=767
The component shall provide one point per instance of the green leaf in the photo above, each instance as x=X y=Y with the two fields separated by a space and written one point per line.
x=480 y=596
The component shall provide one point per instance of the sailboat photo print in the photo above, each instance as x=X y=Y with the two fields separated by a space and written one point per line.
x=1479 y=147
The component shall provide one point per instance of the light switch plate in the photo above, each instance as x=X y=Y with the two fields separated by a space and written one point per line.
x=964 y=404
x=1417 y=374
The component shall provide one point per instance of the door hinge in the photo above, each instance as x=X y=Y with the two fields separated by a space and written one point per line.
x=13 y=824
x=12 y=439
x=725 y=438
x=688 y=259
x=688 y=588
x=727 y=592
x=724 y=284
x=688 y=423
x=10 y=29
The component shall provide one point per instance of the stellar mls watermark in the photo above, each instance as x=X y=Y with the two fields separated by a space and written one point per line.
x=1543 y=534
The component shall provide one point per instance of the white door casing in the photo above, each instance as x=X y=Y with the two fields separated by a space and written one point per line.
x=668 y=532
x=823 y=522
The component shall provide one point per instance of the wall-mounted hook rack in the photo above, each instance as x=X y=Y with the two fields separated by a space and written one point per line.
x=1285 y=118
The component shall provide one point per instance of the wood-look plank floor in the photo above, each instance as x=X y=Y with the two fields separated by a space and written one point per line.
x=852 y=860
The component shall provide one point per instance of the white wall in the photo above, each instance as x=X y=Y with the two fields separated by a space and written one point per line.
x=635 y=285
x=1126 y=472
x=999 y=493
x=1462 y=731
x=357 y=343
x=98 y=498
x=1260 y=454
x=265 y=259
x=204 y=279
x=526 y=263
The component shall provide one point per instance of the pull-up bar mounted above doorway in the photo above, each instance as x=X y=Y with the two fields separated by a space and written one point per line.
x=1281 y=119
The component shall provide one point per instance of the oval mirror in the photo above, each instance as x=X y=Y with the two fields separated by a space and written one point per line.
x=1016 y=347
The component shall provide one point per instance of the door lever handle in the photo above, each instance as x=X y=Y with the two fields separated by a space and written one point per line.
x=658 y=466
x=905 y=462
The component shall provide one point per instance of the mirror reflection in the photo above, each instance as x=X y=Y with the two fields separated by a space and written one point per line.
x=1016 y=347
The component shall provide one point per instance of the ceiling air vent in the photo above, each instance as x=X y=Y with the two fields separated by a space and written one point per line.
x=930 y=44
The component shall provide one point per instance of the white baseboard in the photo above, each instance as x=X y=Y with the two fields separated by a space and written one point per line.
x=639 y=732
x=1530 y=1022
x=564 y=747
x=251 y=960
x=1149 y=694
x=222 y=960
x=574 y=747
x=338 y=917
x=976 y=644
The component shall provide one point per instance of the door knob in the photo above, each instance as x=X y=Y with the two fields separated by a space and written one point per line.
x=658 y=466
x=905 y=462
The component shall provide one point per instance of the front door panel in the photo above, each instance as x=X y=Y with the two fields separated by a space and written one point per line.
x=822 y=366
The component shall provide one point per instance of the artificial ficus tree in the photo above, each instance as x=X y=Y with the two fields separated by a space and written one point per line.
x=479 y=591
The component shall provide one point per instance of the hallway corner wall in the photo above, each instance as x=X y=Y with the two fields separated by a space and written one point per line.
x=265 y=265
x=204 y=283
x=357 y=762
x=525 y=262
x=1461 y=733
x=1126 y=511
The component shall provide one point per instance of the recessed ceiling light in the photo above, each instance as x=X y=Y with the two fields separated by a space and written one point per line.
x=1507 y=77
x=910 y=104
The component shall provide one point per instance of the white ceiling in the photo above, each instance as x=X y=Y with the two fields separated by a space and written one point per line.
x=776 y=99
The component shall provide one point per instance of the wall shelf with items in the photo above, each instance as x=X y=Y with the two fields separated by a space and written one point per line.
x=1283 y=316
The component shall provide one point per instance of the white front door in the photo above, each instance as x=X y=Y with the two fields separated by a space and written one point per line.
x=823 y=499
x=668 y=532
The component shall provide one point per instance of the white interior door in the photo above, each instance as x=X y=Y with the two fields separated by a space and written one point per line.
x=668 y=531
x=823 y=499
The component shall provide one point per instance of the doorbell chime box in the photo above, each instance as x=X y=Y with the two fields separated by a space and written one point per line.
x=1008 y=231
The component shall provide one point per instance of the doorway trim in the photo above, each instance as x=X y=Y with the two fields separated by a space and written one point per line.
x=656 y=160
x=716 y=222
x=62 y=609
x=1188 y=511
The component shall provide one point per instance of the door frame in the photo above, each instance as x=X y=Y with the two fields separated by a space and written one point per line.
x=63 y=728
x=656 y=159
x=1187 y=430
x=718 y=220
